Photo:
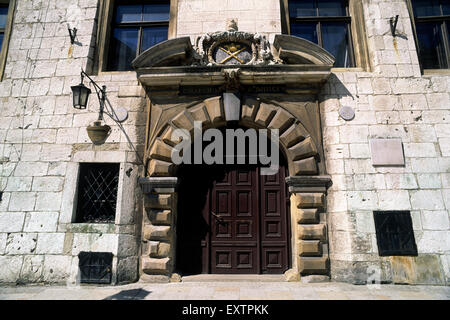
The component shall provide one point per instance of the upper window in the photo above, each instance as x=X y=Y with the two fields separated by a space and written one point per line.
x=3 y=18
x=6 y=15
x=136 y=26
x=432 y=21
x=326 y=23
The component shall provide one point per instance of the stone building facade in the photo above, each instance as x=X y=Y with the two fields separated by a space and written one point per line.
x=333 y=182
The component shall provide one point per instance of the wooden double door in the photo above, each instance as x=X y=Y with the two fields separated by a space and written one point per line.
x=232 y=220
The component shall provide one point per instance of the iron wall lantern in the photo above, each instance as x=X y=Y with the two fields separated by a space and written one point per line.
x=80 y=95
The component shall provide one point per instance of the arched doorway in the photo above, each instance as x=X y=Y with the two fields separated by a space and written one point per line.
x=233 y=220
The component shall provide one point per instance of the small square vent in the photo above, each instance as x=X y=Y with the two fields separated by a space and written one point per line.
x=395 y=235
x=95 y=267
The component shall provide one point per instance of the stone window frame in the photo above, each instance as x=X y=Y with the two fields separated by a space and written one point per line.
x=7 y=36
x=125 y=209
x=105 y=16
x=413 y=25
x=358 y=30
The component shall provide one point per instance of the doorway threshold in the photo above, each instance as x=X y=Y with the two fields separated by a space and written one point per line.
x=234 y=278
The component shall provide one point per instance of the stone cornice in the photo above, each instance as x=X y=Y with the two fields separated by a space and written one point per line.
x=306 y=184
x=163 y=185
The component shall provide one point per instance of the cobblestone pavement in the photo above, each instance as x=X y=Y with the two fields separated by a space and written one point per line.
x=227 y=291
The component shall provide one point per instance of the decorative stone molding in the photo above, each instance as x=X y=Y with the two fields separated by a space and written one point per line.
x=257 y=45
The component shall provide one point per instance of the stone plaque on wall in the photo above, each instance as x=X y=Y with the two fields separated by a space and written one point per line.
x=387 y=152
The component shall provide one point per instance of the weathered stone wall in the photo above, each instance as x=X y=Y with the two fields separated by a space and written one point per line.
x=197 y=17
x=393 y=101
x=42 y=140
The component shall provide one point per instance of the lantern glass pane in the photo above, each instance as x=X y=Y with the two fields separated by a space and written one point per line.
x=85 y=92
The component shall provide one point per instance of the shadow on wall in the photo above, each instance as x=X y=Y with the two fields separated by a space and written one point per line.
x=334 y=86
x=133 y=294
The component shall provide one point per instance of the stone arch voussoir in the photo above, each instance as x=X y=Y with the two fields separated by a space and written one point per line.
x=295 y=140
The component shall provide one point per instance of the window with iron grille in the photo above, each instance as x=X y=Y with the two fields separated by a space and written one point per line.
x=136 y=26
x=395 y=235
x=95 y=267
x=326 y=23
x=97 y=192
x=432 y=24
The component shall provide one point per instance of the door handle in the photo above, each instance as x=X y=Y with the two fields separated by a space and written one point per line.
x=218 y=218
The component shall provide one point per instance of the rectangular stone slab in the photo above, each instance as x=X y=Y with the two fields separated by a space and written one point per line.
x=387 y=152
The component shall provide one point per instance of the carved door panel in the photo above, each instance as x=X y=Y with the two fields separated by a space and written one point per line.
x=234 y=222
x=274 y=237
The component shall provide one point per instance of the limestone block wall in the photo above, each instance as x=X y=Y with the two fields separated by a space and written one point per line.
x=197 y=17
x=43 y=139
x=394 y=100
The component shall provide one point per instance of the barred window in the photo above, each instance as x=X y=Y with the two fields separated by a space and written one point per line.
x=432 y=25
x=97 y=193
x=136 y=27
x=395 y=235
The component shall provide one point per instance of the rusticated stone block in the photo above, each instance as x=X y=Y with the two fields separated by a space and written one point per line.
x=167 y=136
x=158 y=201
x=293 y=135
x=310 y=200
x=310 y=248
x=304 y=149
x=265 y=114
x=305 y=167
x=281 y=120
x=150 y=248
x=313 y=265
x=160 y=217
x=312 y=232
x=156 y=266
x=198 y=113
x=163 y=250
x=158 y=168
x=183 y=121
x=214 y=107
x=308 y=216
x=161 y=151
x=152 y=232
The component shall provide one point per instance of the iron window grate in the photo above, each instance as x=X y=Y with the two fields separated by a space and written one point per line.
x=395 y=235
x=95 y=267
x=97 y=193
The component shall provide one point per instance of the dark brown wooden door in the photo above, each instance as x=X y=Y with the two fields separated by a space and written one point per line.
x=232 y=220
x=247 y=216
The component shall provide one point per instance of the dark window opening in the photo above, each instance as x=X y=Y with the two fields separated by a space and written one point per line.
x=97 y=193
x=326 y=23
x=395 y=235
x=432 y=20
x=136 y=27
x=3 y=19
x=95 y=267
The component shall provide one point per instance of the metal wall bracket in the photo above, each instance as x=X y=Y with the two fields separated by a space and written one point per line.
x=72 y=34
x=393 y=22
